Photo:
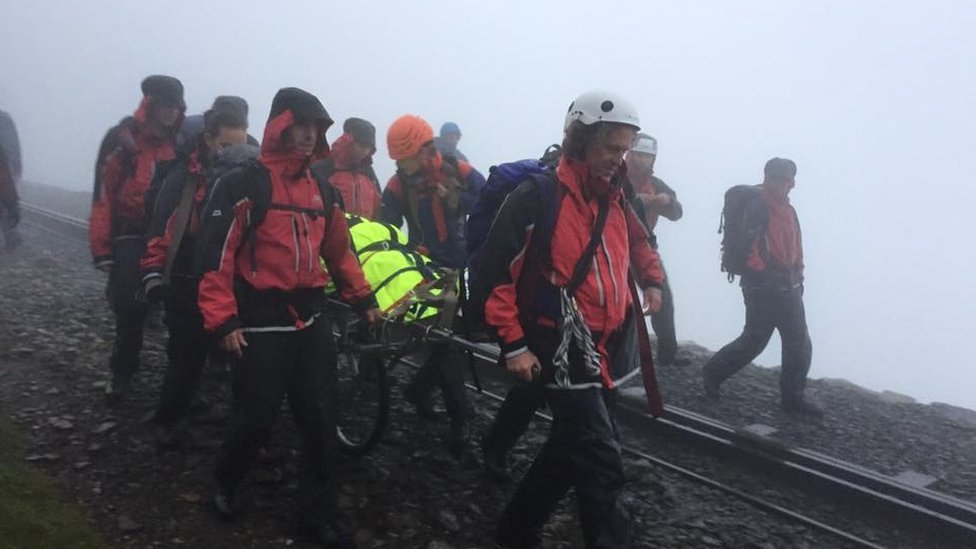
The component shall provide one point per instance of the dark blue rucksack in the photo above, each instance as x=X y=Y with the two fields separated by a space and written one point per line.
x=502 y=180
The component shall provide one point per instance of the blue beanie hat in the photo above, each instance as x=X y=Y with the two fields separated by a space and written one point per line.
x=450 y=127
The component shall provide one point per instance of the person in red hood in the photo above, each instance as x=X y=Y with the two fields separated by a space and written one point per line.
x=168 y=266
x=592 y=337
x=349 y=168
x=118 y=222
x=654 y=199
x=772 y=288
x=262 y=296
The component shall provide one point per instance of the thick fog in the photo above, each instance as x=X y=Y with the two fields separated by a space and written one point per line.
x=875 y=100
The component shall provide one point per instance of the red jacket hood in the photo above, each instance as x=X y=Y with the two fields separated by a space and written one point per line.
x=278 y=156
x=141 y=117
x=342 y=150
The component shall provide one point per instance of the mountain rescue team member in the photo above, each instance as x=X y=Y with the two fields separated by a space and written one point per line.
x=169 y=272
x=772 y=288
x=586 y=344
x=119 y=221
x=447 y=141
x=657 y=200
x=349 y=168
x=434 y=193
x=262 y=295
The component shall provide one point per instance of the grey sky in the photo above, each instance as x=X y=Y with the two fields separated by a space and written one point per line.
x=875 y=100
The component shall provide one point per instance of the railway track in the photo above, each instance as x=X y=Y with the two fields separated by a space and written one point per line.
x=949 y=519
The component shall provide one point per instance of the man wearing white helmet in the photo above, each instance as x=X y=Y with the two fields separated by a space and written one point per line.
x=574 y=239
x=653 y=199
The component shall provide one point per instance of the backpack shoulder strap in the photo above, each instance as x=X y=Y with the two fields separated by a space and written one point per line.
x=582 y=268
x=551 y=195
x=181 y=218
x=550 y=198
x=330 y=197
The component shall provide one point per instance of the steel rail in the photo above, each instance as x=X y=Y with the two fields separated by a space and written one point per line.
x=54 y=222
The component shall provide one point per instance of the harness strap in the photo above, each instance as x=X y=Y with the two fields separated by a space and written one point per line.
x=180 y=223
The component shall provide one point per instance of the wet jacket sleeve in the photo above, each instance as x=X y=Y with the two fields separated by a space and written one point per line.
x=391 y=206
x=474 y=182
x=672 y=211
x=100 y=224
x=224 y=224
x=644 y=258
x=160 y=234
x=343 y=264
x=500 y=265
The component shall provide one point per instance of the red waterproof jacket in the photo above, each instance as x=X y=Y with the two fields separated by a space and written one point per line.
x=118 y=203
x=604 y=296
x=777 y=252
x=357 y=184
x=266 y=276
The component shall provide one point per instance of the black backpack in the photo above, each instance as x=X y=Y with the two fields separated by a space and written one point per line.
x=112 y=140
x=737 y=238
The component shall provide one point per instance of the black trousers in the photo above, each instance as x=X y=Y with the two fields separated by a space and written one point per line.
x=583 y=453
x=302 y=365
x=187 y=350
x=124 y=292
x=514 y=417
x=444 y=368
x=663 y=324
x=769 y=309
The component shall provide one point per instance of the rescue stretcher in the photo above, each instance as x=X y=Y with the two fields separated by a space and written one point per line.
x=422 y=306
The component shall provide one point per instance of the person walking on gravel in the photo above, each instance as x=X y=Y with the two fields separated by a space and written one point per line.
x=655 y=199
x=582 y=332
x=262 y=295
x=169 y=273
x=433 y=193
x=769 y=258
x=119 y=219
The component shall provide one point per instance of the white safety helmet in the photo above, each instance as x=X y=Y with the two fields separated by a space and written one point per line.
x=644 y=143
x=602 y=106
